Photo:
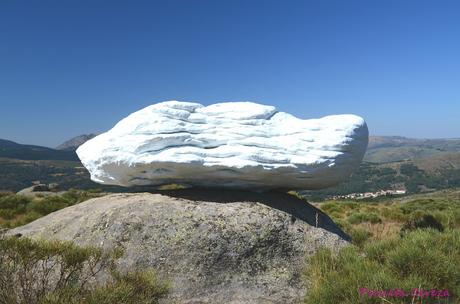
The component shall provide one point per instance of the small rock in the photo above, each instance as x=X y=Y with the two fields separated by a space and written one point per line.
x=53 y=187
x=40 y=188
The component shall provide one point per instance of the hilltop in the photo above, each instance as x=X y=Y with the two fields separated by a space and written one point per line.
x=75 y=142
x=384 y=149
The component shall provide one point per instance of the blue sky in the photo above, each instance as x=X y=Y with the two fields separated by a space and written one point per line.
x=73 y=67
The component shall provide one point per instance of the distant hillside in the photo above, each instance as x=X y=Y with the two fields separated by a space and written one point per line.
x=439 y=163
x=383 y=149
x=14 y=150
x=391 y=162
x=16 y=174
x=435 y=172
x=73 y=143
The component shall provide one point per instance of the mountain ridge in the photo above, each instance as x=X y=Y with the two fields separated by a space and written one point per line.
x=73 y=143
x=384 y=149
x=11 y=149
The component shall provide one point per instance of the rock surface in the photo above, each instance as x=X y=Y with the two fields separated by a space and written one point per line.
x=41 y=190
x=234 y=144
x=214 y=246
x=75 y=142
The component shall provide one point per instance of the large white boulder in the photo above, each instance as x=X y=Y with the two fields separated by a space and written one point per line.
x=232 y=144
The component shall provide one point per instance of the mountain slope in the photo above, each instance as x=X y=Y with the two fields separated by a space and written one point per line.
x=10 y=149
x=383 y=149
x=73 y=143
x=417 y=175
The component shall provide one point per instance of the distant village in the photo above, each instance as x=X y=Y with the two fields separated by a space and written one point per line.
x=368 y=194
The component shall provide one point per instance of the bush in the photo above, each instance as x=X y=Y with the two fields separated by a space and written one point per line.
x=351 y=205
x=394 y=214
x=52 y=272
x=425 y=259
x=17 y=210
x=14 y=202
x=332 y=207
x=23 y=219
x=426 y=221
x=47 y=205
x=360 y=217
x=130 y=288
x=359 y=236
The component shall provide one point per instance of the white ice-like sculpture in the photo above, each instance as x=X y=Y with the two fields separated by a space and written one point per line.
x=231 y=144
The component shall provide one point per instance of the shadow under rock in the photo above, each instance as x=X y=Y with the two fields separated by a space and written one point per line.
x=296 y=207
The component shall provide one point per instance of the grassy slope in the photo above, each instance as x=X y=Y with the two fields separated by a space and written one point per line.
x=383 y=258
x=384 y=218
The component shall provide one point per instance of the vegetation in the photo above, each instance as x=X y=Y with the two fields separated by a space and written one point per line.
x=386 y=217
x=17 y=210
x=18 y=174
x=423 y=259
x=384 y=149
x=425 y=221
x=52 y=272
x=405 y=243
x=374 y=177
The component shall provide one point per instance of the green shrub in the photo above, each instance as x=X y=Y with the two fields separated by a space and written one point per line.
x=427 y=205
x=17 y=210
x=455 y=220
x=73 y=196
x=52 y=272
x=425 y=259
x=343 y=224
x=394 y=214
x=22 y=220
x=130 y=288
x=5 y=193
x=360 y=217
x=47 y=205
x=8 y=214
x=351 y=205
x=28 y=268
x=426 y=221
x=332 y=207
x=14 y=202
x=359 y=236
x=335 y=215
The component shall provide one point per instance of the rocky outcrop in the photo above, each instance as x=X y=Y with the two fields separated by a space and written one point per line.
x=234 y=145
x=41 y=190
x=75 y=142
x=215 y=246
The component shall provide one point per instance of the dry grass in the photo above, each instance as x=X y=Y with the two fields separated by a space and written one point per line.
x=381 y=231
x=385 y=219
